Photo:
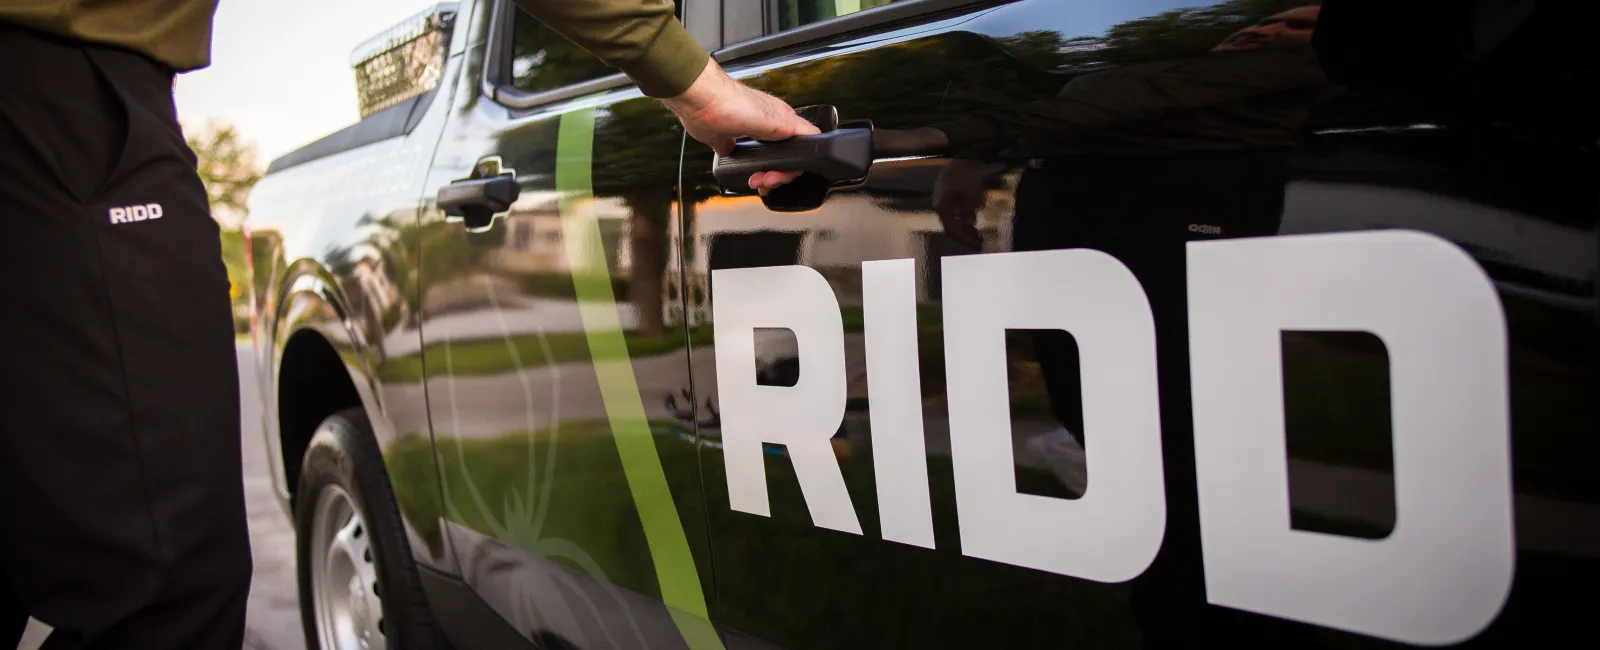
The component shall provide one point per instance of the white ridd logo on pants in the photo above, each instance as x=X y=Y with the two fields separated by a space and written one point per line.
x=1440 y=578
x=133 y=213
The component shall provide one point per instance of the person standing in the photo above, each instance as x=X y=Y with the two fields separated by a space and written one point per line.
x=120 y=471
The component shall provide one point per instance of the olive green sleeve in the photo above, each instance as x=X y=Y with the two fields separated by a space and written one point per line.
x=641 y=38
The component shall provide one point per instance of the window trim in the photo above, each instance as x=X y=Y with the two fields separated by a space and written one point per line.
x=497 y=84
x=833 y=27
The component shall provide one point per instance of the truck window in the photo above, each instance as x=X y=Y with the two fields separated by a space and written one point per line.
x=792 y=14
x=544 y=60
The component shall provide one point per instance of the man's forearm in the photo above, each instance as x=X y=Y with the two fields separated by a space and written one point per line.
x=641 y=38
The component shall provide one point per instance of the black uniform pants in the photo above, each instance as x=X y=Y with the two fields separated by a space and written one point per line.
x=121 y=504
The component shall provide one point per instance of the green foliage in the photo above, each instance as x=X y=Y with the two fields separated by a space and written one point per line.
x=1175 y=34
x=414 y=478
x=1184 y=32
x=233 y=257
x=227 y=166
x=228 y=169
x=636 y=149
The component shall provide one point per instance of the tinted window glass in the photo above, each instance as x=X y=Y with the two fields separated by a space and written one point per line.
x=799 y=13
x=544 y=60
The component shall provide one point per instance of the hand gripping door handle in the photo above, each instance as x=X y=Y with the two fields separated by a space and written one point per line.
x=476 y=201
x=840 y=156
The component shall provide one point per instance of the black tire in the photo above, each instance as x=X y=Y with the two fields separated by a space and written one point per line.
x=344 y=453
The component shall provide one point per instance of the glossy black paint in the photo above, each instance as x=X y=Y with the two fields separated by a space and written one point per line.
x=1482 y=162
x=470 y=355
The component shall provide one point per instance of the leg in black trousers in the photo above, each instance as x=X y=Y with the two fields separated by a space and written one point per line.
x=13 y=619
x=120 y=485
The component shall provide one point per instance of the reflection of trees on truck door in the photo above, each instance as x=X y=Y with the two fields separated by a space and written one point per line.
x=635 y=167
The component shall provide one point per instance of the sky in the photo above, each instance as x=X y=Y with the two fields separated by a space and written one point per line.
x=280 y=69
x=1088 y=18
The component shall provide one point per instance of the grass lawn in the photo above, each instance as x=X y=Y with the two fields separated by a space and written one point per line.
x=496 y=356
x=558 y=493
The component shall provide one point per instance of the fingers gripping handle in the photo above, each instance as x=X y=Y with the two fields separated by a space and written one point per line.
x=837 y=156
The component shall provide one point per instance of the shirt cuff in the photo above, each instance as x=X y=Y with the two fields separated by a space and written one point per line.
x=971 y=136
x=670 y=65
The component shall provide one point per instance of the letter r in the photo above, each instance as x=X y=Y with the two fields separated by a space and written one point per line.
x=802 y=417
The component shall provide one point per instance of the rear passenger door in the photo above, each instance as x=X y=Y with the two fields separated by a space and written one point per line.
x=571 y=491
x=1228 y=362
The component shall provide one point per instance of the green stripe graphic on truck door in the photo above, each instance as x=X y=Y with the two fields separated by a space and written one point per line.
x=597 y=304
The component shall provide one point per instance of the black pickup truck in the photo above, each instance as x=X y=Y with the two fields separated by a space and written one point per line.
x=1265 y=323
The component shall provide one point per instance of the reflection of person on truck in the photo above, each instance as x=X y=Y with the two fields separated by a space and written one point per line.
x=1136 y=162
x=120 y=451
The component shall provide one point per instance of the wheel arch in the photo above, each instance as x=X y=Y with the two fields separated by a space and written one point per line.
x=313 y=383
x=319 y=366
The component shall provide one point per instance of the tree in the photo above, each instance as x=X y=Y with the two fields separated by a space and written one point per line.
x=637 y=144
x=228 y=168
x=1174 y=34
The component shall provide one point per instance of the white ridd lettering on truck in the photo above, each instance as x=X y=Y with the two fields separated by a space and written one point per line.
x=1097 y=300
x=803 y=417
x=889 y=311
x=1441 y=577
x=1445 y=571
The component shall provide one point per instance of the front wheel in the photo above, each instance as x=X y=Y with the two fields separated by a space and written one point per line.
x=358 y=584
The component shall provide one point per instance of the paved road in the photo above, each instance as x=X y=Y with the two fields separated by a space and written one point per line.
x=273 y=619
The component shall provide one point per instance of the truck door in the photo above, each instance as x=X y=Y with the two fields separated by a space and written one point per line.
x=571 y=491
x=1175 y=340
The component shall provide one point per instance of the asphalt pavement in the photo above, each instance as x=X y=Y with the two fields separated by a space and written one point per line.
x=273 y=618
